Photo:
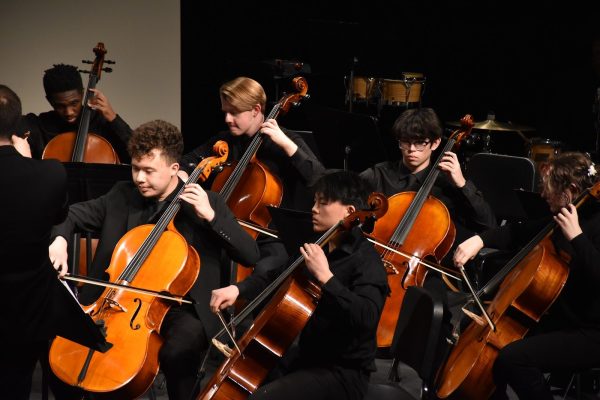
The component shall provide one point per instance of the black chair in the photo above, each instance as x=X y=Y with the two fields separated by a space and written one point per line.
x=507 y=184
x=419 y=342
x=497 y=176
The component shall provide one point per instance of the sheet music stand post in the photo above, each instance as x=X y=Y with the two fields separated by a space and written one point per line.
x=347 y=140
x=87 y=181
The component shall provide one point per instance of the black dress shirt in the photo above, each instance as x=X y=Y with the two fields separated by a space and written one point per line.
x=123 y=208
x=45 y=126
x=468 y=209
x=296 y=172
x=579 y=301
x=341 y=331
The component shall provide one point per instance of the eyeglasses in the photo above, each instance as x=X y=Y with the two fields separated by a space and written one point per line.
x=418 y=146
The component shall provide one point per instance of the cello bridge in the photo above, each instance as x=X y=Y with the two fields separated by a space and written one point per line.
x=115 y=304
x=390 y=267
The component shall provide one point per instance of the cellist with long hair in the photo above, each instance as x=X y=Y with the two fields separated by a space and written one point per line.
x=567 y=337
x=205 y=222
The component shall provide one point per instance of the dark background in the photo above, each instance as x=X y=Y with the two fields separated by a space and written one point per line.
x=529 y=67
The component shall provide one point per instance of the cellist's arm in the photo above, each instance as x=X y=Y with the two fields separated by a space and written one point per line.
x=586 y=244
x=238 y=244
x=301 y=157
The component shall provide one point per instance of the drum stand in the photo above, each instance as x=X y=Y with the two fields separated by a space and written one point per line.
x=350 y=85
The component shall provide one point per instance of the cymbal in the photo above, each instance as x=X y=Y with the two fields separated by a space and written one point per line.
x=493 y=125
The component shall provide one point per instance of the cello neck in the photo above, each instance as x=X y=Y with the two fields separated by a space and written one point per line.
x=165 y=219
x=250 y=152
x=84 y=122
x=407 y=222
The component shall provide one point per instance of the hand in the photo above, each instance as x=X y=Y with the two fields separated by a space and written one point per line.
x=100 y=102
x=197 y=197
x=272 y=130
x=223 y=298
x=450 y=165
x=316 y=262
x=58 y=255
x=467 y=250
x=568 y=221
x=21 y=144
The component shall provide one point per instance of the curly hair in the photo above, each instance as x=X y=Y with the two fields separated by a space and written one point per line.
x=10 y=112
x=569 y=169
x=157 y=134
x=243 y=94
x=62 y=78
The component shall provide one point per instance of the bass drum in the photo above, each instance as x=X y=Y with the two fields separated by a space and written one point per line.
x=363 y=89
x=542 y=149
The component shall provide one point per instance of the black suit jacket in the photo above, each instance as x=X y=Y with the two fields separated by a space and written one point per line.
x=123 y=208
x=34 y=194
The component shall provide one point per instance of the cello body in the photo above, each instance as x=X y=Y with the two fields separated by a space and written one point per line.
x=127 y=369
x=97 y=149
x=257 y=189
x=523 y=297
x=431 y=237
x=155 y=257
x=294 y=299
x=272 y=333
x=83 y=146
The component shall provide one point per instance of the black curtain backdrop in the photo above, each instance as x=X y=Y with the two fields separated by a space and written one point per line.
x=528 y=67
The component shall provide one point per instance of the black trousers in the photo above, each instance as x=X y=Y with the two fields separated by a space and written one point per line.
x=17 y=363
x=522 y=363
x=181 y=355
x=315 y=384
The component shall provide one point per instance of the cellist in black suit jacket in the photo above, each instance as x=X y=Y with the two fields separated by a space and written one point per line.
x=205 y=222
x=33 y=200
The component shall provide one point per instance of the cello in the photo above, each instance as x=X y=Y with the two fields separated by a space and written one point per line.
x=248 y=186
x=83 y=146
x=280 y=321
x=527 y=286
x=418 y=225
x=153 y=257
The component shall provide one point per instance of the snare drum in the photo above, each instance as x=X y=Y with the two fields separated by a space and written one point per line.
x=402 y=92
x=363 y=88
x=542 y=149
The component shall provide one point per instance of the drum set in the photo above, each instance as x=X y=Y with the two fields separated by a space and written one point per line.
x=404 y=92
x=491 y=136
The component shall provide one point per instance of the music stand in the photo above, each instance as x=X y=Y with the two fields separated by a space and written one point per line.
x=294 y=227
x=346 y=140
x=533 y=204
x=87 y=181
x=75 y=325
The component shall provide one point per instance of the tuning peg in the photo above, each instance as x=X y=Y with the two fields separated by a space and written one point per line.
x=87 y=62
x=107 y=69
x=109 y=62
x=83 y=71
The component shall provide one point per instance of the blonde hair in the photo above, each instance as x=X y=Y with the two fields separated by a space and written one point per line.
x=243 y=94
